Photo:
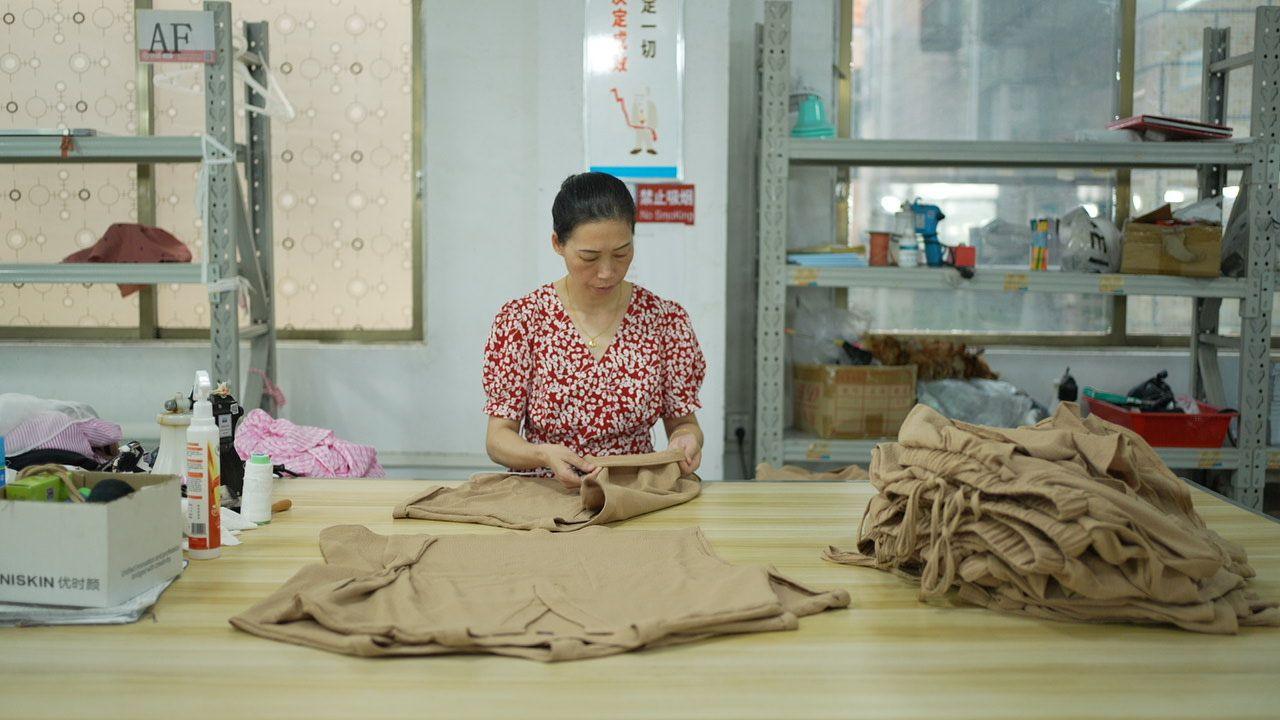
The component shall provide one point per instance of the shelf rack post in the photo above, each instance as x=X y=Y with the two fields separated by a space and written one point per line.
x=1255 y=308
x=1206 y=377
x=771 y=283
x=256 y=239
x=219 y=83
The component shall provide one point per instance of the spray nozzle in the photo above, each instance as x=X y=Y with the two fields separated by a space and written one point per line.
x=201 y=408
x=202 y=388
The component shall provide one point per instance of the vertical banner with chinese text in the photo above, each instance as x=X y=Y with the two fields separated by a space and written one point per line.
x=633 y=72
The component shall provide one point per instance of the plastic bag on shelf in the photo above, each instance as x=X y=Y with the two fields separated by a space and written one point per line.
x=1201 y=212
x=1235 y=237
x=994 y=403
x=817 y=333
x=1089 y=244
x=1001 y=242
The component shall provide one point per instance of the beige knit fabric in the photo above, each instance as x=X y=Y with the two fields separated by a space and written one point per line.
x=628 y=485
x=539 y=595
x=766 y=472
x=1072 y=519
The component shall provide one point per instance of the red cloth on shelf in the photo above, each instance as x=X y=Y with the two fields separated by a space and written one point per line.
x=133 y=243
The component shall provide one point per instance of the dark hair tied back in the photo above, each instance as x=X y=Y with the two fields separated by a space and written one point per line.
x=591 y=197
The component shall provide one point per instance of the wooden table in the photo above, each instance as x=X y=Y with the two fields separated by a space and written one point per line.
x=887 y=656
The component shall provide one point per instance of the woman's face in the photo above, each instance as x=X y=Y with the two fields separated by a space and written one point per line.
x=597 y=255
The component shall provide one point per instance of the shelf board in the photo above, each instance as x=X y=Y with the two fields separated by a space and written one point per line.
x=1225 y=342
x=999 y=280
x=105 y=273
x=983 y=153
x=801 y=447
x=104 y=149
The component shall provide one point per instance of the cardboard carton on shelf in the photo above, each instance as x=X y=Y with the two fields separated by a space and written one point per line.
x=1154 y=245
x=853 y=402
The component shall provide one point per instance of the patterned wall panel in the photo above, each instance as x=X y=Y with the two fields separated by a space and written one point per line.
x=65 y=63
x=343 y=186
x=342 y=175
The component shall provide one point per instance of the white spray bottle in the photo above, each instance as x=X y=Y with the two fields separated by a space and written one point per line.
x=204 y=526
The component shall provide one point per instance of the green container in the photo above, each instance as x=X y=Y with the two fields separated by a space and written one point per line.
x=36 y=488
x=1114 y=399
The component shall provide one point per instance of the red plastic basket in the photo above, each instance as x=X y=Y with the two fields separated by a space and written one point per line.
x=1206 y=429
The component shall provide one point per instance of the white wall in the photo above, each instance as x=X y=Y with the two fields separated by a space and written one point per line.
x=503 y=128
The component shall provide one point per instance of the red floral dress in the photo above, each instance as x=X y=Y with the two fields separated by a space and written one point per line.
x=539 y=372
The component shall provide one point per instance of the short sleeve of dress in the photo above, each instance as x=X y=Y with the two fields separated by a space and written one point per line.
x=508 y=364
x=686 y=367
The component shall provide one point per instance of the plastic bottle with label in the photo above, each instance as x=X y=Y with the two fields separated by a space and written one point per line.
x=255 y=501
x=204 y=526
x=908 y=244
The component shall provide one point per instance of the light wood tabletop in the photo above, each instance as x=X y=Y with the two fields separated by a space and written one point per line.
x=888 y=656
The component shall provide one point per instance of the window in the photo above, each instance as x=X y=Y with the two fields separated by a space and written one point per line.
x=1024 y=70
x=347 y=257
x=69 y=67
x=982 y=70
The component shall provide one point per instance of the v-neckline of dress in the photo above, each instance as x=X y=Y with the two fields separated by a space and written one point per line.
x=581 y=338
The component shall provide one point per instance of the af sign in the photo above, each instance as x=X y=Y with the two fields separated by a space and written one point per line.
x=175 y=36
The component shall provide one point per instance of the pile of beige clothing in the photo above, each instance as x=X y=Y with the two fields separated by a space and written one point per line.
x=568 y=590
x=539 y=595
x=1072 y=519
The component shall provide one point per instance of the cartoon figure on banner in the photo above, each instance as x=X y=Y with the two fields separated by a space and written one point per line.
x=642 y=117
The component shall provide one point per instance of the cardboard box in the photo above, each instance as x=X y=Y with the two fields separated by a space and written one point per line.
x=92 y=554
x=853 y=402
x=1185 y=250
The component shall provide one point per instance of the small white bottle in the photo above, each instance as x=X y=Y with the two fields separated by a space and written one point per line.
x=904 y=230
x=255 y=499
x=204 y=477
x=908 y=252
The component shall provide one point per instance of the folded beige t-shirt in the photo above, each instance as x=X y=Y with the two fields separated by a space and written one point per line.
x=540 y=595
x=627 y=486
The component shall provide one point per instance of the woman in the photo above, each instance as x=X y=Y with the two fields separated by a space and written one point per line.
x=588 y=364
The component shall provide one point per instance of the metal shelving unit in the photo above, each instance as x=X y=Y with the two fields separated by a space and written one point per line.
x=1015 y=280
x=105 y=149
x=238 y=233
x=995 y=154
x=135 y=273
x=1259 y=155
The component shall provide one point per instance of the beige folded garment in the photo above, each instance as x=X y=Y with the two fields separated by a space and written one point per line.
x=768 y=473
x=1072 y=519
x=628 y=485
x=540 y=595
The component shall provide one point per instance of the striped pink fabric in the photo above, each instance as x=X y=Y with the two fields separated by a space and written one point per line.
x=41 y=432
x=308 y=451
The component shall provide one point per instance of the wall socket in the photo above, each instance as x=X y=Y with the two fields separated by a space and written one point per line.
x=733 y=421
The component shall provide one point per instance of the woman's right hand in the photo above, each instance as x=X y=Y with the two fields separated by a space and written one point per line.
x=570 y=469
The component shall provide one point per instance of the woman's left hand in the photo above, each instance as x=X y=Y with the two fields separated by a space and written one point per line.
x=692 y=452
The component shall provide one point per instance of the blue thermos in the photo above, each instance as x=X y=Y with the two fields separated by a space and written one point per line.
x=927 y=218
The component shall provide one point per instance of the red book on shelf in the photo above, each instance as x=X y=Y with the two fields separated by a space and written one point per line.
x=1171 y=127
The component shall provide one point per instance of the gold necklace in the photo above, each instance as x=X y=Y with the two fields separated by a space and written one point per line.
x=591 y=339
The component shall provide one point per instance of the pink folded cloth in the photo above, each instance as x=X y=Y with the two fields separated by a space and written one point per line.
x=307 y=451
